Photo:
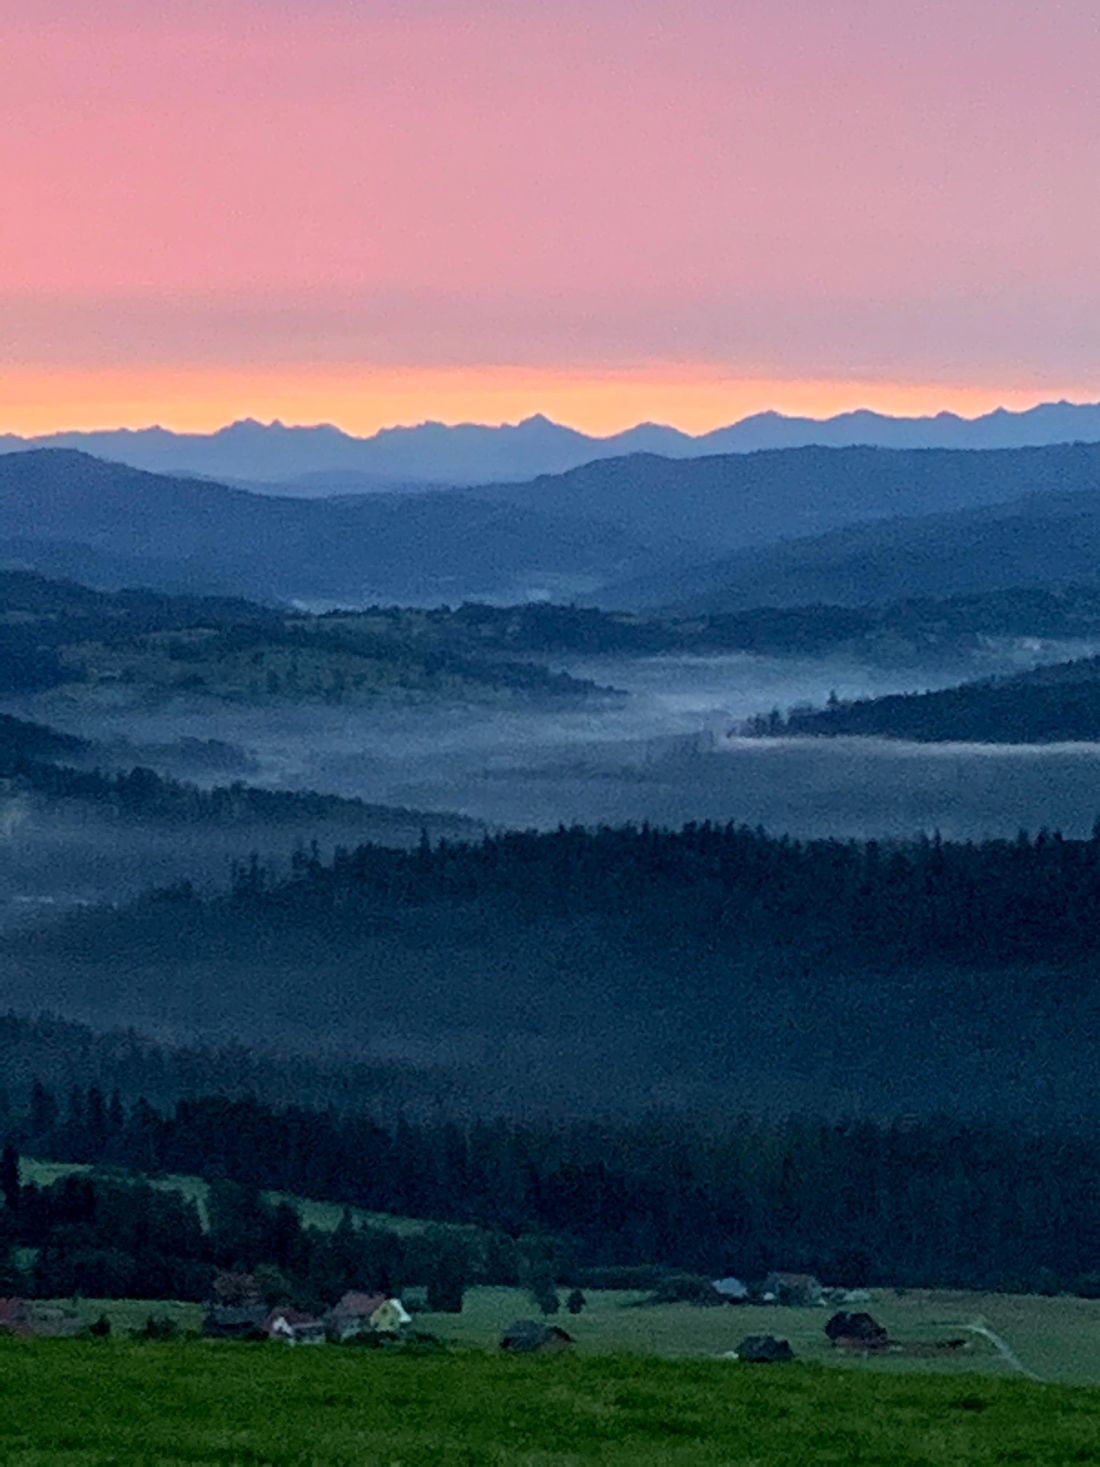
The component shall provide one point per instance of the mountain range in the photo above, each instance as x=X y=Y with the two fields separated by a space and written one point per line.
x=322 y=459
x=787 y=527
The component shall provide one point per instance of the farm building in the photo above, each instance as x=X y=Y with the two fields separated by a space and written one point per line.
x=531 y=1337
x=763 y=1350
x=25 y=1317
x=798 y=1289
x=857 y=1332
x=732 y=1290
x=235 y=1321
x=360 y=1314
x=293 y=1327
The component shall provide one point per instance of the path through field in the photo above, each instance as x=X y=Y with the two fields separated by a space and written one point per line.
x=980 y=1327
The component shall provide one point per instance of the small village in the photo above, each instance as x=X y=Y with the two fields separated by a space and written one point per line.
x=237 y=1311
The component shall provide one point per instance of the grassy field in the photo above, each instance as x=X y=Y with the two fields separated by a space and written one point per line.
x=1056 y=1339
x=112 y=1404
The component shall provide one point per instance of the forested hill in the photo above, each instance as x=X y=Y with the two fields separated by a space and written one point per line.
x=61 y=770
x=147 y=645
x=585 y=970
x=594 y=1204
x=909 y=629
x=736 y=501
x=1045 y=538
x=1058 y=703
x=846 y=901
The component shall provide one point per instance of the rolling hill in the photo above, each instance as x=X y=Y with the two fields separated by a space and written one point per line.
x=734 y=501
x=1041 y=540
x=65 y=511
x=845 y=526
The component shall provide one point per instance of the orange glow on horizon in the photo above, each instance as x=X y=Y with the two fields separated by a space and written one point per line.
x=361 y=402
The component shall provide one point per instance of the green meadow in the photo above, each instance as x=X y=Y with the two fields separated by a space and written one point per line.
x=114 y=1403
x=1055 y=1339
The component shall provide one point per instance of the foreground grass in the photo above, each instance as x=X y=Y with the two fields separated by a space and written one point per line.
x=94 y=1403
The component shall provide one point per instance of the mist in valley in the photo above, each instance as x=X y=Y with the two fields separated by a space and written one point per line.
x=528 y=1022
x=664 y=747
x=666 y=725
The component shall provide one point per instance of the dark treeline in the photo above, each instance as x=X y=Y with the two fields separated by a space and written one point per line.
x=931 y=900
x=916 y=626
x=28 y=764
x=596 y=971
x=857 y=1204
x=23 y=744
x=143 y=794
x=106 y=1236
x=65 y=1056
x=1060 y=702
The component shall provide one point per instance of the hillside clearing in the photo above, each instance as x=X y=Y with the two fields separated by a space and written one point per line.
x=314 y=1213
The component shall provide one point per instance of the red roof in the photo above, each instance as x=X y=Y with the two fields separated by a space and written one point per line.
x=359 y=1305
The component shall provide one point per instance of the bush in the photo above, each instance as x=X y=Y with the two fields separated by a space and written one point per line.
x=157 y=1329
x=686 y=1288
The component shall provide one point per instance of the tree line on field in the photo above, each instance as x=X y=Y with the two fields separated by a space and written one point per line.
x=1032 y=899
x=856 y=1204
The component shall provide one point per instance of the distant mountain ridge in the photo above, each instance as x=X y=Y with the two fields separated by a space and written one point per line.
x=733 y=501
x=1045 y=539
x=469 y=453
x=847 y=526
x=65 y=513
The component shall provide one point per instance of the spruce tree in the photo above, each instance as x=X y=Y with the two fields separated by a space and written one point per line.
x=9 y=1177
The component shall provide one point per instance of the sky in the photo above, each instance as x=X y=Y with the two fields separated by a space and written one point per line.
x=380 y=211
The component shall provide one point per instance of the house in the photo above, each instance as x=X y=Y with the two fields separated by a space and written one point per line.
x=732 y=1290
x=360 y=1314
x=530 y=1337
x=390 y=1317
x=293 y=1327
x=857 y=1332
x=763 y=1350
x=235 y=1321
x=796 y=1289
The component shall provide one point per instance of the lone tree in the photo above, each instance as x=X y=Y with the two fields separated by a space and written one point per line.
x=9 y=1177
x=542 y=1288
x=447 y=1273
x=576 y=1302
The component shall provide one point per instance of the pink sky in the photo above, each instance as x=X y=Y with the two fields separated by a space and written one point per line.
x=372 y=212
